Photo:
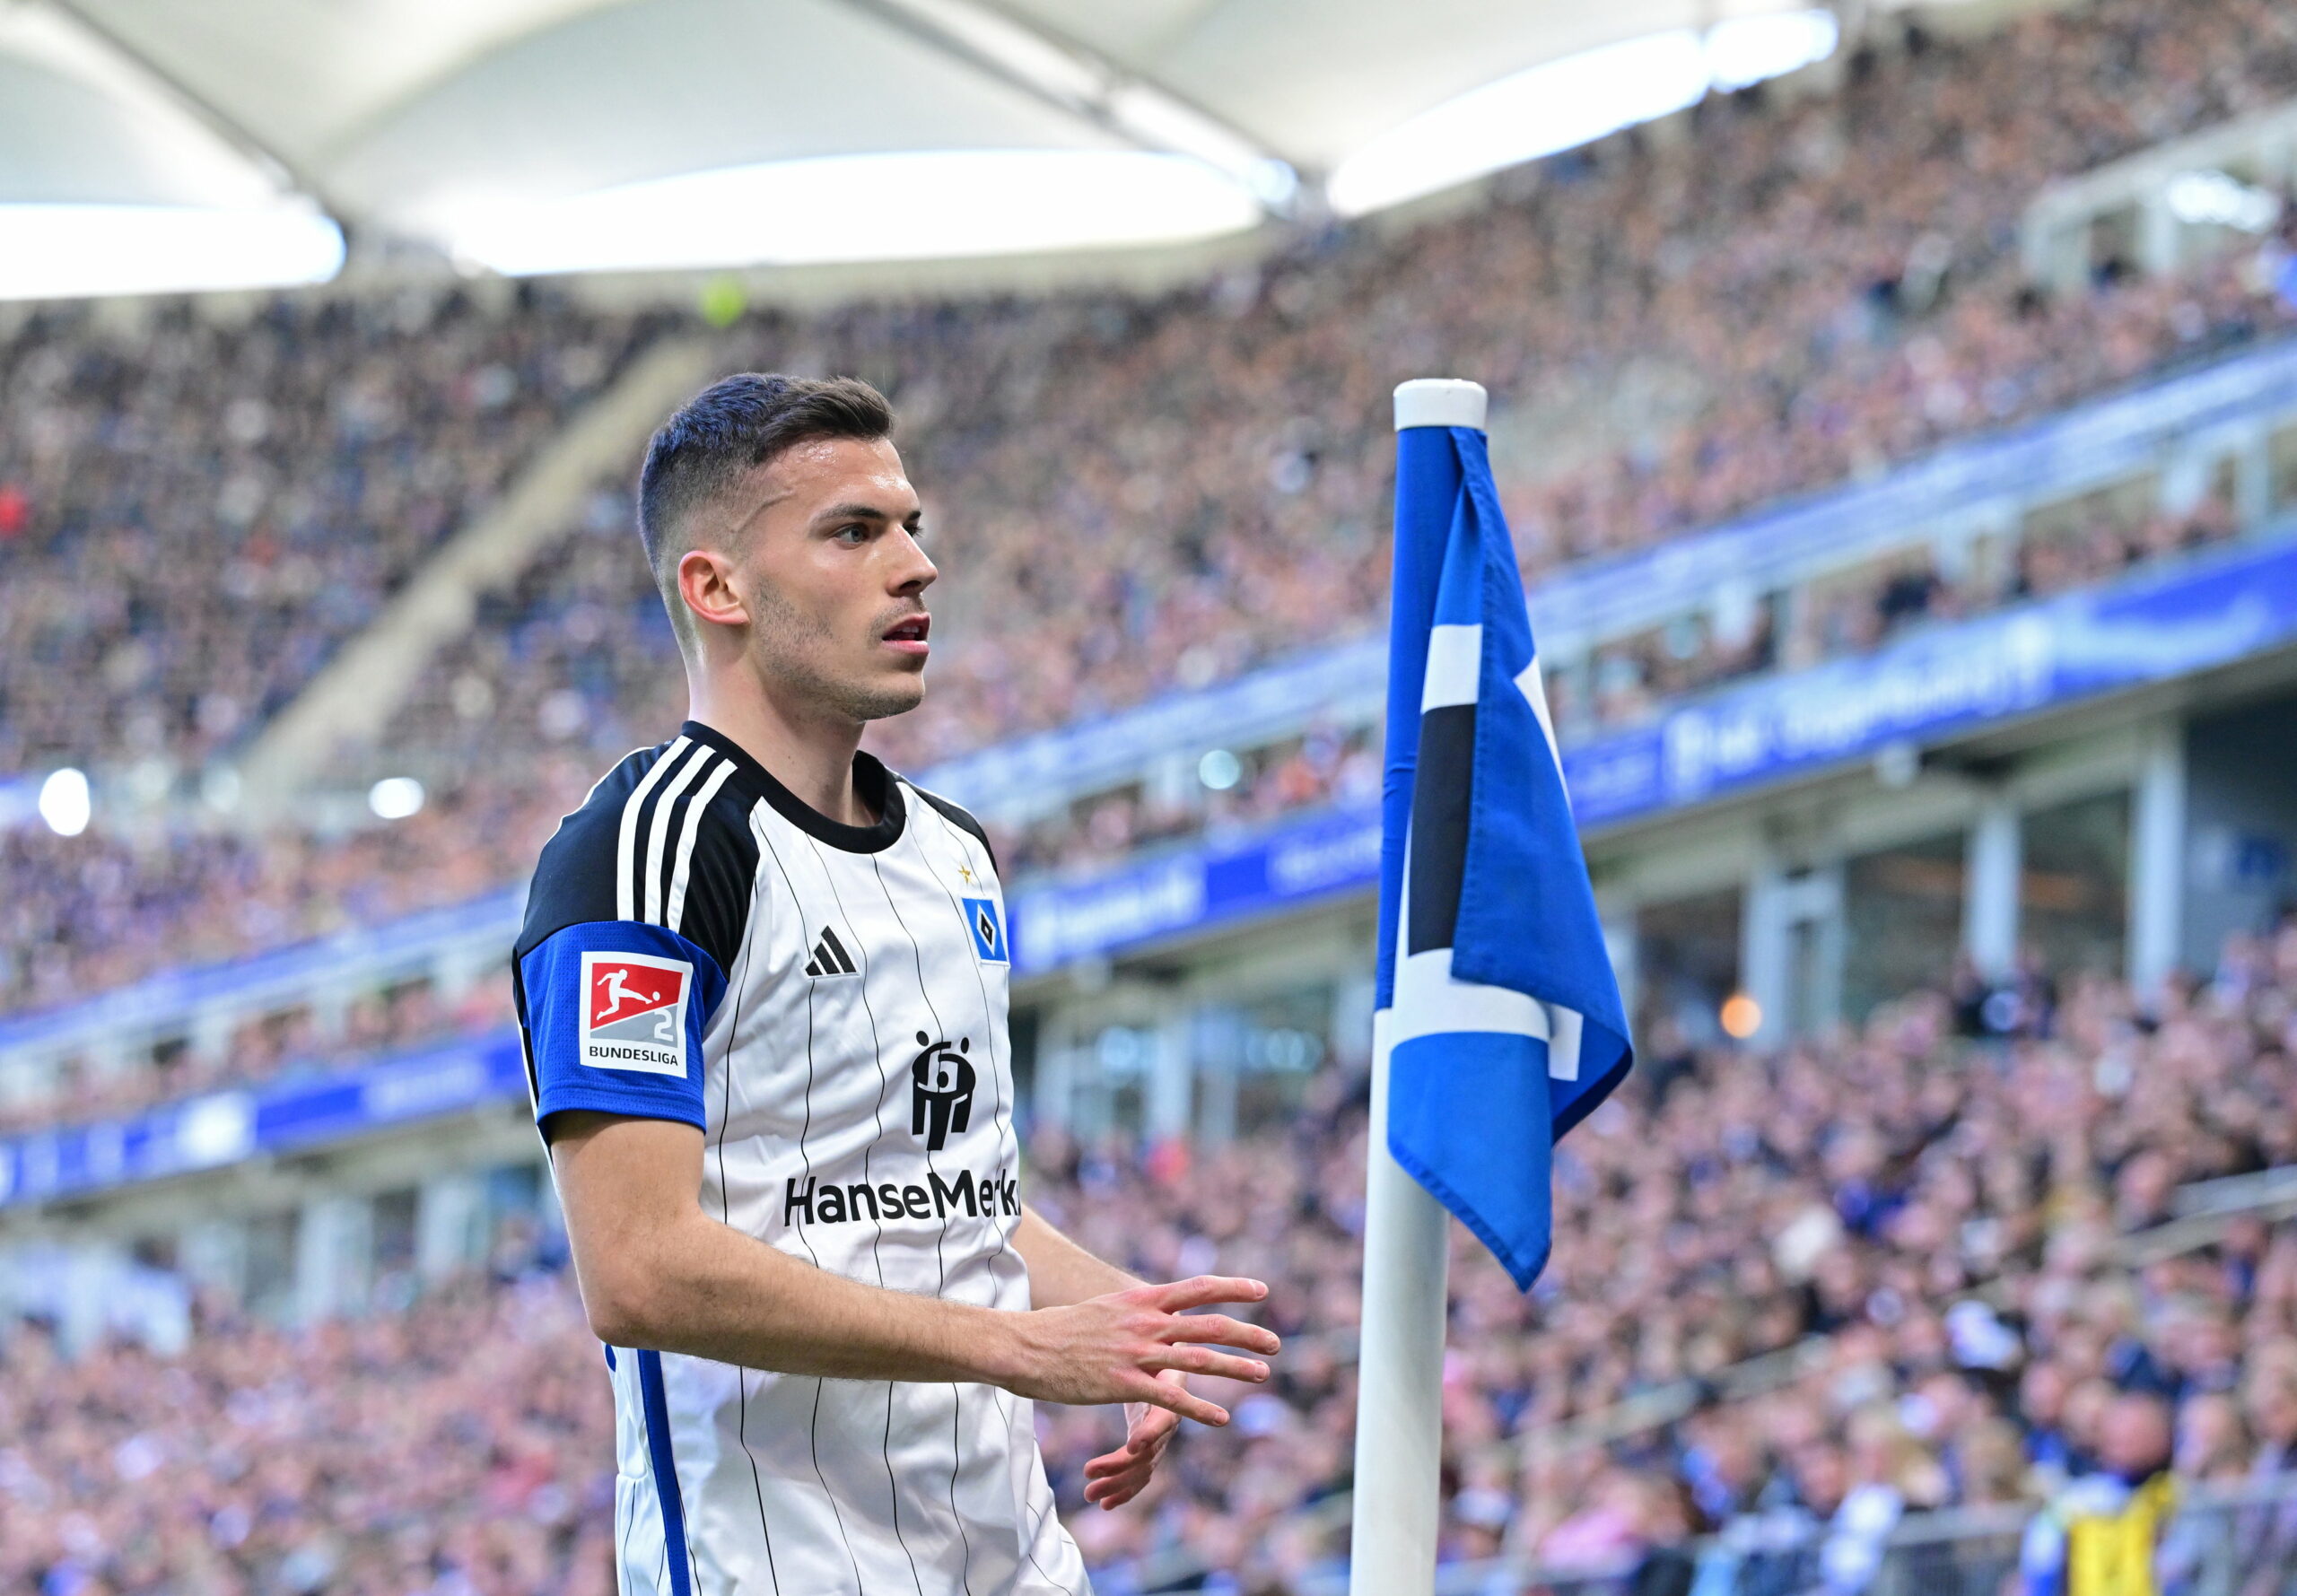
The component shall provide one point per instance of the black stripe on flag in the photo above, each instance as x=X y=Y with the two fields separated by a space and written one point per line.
x=1441 y=787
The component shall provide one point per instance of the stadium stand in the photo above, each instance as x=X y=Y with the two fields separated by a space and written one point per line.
x=195 y=502
x=1801 y=1299
x=570 y=665
x=1960 y=1244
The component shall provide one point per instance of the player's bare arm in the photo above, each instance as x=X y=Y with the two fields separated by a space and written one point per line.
x=656 y=1271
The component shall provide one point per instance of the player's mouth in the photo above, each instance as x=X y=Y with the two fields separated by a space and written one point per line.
x=907 y=635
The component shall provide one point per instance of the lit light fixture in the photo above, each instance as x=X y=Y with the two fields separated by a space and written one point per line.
x=394 y=797
x=1219 y=770
x=921 y=205
x=1741 y=1016
x=65 y=802
x=2220 y=200
x=1561 y=104
x=81 y=251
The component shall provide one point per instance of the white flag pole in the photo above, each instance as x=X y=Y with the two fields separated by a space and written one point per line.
x=1400 y=1356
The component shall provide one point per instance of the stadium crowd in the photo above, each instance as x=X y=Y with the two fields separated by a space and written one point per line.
x=1937 y=1210
x=194 y=512
x=1131 y=495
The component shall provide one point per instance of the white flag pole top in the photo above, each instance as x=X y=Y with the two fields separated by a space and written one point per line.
x=1407 y=1236
x=1440 y=402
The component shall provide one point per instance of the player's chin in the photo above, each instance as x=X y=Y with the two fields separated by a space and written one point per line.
x=892 y=695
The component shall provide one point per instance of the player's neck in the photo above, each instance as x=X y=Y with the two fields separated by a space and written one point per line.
x=811 y=755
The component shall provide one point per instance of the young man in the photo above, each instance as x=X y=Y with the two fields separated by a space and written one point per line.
x=763 y=985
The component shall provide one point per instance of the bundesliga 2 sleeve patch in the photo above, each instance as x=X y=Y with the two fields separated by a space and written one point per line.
x=615 y=1013
x=633 y=1012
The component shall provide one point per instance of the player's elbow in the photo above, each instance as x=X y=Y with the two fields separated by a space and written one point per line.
x=622 y=1311
x=626 y=1298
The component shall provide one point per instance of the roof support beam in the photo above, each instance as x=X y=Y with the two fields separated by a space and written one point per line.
x=1076 y=79
x=282 y=170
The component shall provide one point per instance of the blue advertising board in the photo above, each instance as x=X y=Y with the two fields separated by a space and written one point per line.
x=2103 y=439
x=220 y=1128
x=2197 y=615
x=1935 y=683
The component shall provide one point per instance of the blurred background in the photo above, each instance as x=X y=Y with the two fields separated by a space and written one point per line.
x=1896 y=409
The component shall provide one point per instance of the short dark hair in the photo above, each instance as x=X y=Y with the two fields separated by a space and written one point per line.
x=735 y=425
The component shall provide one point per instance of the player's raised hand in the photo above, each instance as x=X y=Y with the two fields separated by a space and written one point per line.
x=1112 y=1348
x=1115 y=1477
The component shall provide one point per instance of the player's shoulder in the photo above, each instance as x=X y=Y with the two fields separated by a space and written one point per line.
x=663 y=837
x=956 y=815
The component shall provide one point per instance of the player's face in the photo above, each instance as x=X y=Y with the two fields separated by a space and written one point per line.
x=834 y=578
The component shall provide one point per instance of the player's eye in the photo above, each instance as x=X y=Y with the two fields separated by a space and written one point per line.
x=853 y=534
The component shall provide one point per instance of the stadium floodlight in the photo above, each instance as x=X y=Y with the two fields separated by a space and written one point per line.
x=2220 y=200
x=1561 y=104
x=81 y=251
x=65 y=802
x=914 y=206
x=394 y=797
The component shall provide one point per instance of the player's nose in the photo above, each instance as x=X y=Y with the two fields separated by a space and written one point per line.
x=914 y=569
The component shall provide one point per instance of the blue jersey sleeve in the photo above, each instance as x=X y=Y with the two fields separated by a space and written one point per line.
x=615 y=1011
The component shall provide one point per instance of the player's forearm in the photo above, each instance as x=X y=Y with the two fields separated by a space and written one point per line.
x=1062 y=1272
x=701 y=1288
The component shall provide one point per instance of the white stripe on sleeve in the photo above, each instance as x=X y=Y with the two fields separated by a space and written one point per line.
x=626 y=895
x=657 y=829
x=684 y=856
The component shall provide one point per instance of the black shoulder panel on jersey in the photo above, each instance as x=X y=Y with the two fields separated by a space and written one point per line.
x=703 y=863
x=575 y=879
x=716 y=912
x=961 y=818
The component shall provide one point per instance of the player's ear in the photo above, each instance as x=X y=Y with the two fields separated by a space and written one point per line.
x=706 y=583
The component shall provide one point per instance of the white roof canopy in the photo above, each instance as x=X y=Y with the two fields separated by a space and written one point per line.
x=457 y=122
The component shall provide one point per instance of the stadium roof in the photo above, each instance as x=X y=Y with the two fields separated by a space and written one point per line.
x=535 y=135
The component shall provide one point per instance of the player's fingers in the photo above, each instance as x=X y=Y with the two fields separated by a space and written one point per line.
x=1115 y=1493
x=1198 y=1290
x=1223 y=1330
x=1191 y=1359
x=1113 y=1472
x=1117 y=1465
x=1159 y=1393
x=1110 y=1464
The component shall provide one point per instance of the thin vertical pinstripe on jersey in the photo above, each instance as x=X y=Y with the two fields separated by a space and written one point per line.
x=725 y=1209
x=964 y=846
x=1005 y=1117
x=762 y=829
x=876 y=1255
x=956 y=1393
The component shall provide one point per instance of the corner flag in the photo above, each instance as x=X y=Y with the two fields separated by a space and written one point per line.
x=1505 y=1019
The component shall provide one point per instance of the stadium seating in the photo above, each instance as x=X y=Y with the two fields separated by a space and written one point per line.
x=1970 y=1241
x=1157 y=495
x=193 y=513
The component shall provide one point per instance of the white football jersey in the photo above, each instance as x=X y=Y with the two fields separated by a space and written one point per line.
x=827 y=1003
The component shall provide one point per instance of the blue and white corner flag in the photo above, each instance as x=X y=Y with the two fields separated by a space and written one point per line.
x=1503 y=1018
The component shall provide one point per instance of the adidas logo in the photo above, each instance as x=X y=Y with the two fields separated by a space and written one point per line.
x=830 y=957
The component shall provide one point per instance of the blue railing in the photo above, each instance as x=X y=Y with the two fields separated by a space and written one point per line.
x=2228 y=604
x=2067 y=453
x=1924 y=686
x=287 y=1116
x=284 y=974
